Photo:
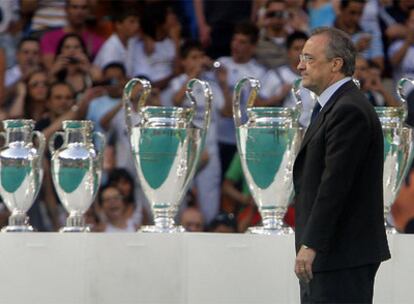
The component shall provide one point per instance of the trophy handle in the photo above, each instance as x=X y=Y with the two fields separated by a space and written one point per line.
x=400 y=91
x=102 y=141
x=126 y=98
x=356 y=82
x=52 y=141
x=255 y=87
x=42 y=141
x=296 y=94
x=208 y=97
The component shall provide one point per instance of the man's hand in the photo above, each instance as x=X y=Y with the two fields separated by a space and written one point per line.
x=303 y=264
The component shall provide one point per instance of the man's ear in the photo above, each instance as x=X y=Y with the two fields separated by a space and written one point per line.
x=337 y=64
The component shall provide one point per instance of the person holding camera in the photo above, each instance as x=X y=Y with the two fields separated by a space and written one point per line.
x=72 y=64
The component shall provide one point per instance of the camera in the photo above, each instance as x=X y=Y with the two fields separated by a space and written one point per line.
x=73 y=60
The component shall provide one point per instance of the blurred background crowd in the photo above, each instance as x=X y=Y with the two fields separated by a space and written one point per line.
x=70 y=59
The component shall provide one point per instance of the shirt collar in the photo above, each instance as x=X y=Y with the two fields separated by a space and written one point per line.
x=327 y=94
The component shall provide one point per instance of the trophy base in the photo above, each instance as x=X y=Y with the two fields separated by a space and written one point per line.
x=15 y=228
x=270 y=231
x=391 y=230
x=158 y=229
x=74 y=229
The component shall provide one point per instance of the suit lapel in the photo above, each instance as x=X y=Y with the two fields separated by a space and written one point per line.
x=321 y=116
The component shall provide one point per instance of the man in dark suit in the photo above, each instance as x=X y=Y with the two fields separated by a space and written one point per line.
x=340 y=234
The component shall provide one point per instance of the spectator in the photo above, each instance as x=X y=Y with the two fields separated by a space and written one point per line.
x=117 y=47
x=61 y=106
x=298 y=19
x=113 y=206
x=192 y=220
x=322 y=12
x=28 y=59
x=271 y=48
x=72 y=64
x=11 y=25
x=367 y=40
x=216 y=21
x=30 y=101
x=369 y=76
x=46 y=15
x=124 y=181
x=155 y=55
x=114 y=80
x=236 y=197
x=400 y=10
x=403 y=208
x=401 y=52
x=2 y=74
x=76 y=14
x=224 y=223
x=196 y=65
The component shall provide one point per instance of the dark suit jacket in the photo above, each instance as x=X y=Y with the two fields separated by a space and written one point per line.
x=337 y=177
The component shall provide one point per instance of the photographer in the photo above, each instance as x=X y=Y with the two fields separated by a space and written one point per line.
x=72 y=64
x=369 y=76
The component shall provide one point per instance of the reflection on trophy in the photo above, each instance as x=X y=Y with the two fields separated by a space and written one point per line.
x=166 y=147
x=76 y=170
x=398 y=149
x=21 y=171
x=267 y=143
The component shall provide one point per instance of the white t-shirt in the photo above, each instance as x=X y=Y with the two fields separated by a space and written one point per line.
x=235 y=72
x=217 y=104
x=130 y=227
x=156 y=66
x=118 y=129
x=111 y=51
x=12 y=76
x=287 y=76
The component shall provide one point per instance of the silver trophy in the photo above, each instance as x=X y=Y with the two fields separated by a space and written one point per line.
x=398 y=149
x=268 y=144
x=166 y=147
x=77 y=170
x=21 y=171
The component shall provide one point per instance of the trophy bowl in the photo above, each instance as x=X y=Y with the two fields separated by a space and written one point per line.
x=21 y=171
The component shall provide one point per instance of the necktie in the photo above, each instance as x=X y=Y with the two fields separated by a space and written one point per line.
x=315 y=111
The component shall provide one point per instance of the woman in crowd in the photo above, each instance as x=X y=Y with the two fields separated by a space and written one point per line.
x=73 y=65
x=30 y=101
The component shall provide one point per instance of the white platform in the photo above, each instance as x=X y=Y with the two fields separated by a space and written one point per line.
x=52 y=268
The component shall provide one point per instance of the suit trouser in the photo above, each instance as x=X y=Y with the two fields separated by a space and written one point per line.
x=350 y=285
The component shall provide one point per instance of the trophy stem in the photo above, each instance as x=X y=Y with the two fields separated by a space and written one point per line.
x=164 y=222
x=75 y=223
x=390 y=229
x=272 y=219
x=18 y=222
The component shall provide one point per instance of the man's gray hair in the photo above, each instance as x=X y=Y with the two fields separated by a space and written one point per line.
x=339 y=45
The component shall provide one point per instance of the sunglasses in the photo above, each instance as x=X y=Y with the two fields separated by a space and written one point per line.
x=276 y=14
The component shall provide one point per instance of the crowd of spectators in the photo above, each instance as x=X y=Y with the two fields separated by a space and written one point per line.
x=70 y=59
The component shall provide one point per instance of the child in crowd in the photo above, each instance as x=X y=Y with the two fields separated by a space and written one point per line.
x=117 y=47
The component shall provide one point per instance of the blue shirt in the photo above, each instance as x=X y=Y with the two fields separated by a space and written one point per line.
x=98 y=108
x=329 y=91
